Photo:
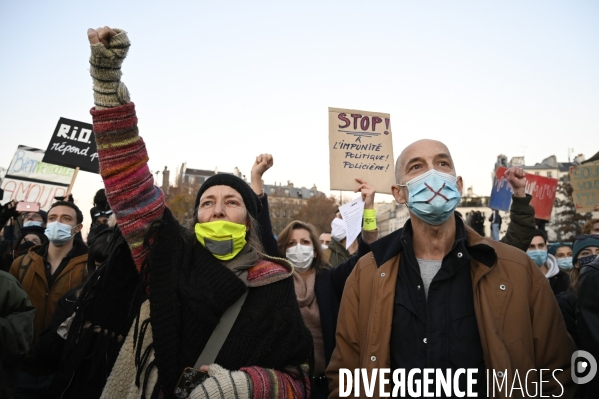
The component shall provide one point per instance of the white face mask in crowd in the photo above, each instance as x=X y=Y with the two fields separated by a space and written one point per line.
x=338 y=229
x=301 y=256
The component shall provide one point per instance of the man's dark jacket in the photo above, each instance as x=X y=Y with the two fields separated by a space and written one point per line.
x=521 y=229
x=588 y=319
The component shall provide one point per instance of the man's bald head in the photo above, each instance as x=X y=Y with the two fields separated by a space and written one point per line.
x=420 y=156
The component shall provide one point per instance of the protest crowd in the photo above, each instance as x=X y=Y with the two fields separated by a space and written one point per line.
x=149 y=306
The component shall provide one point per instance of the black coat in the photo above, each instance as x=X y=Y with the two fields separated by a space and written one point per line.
x=189 y=290
x=328 y=285
x=588 y=318
x=568 y=304
x=328 y=288
x=87 y=357
x=560 y=282
x=50 y=345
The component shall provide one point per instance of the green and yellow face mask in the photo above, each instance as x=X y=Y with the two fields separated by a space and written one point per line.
x=222 y=238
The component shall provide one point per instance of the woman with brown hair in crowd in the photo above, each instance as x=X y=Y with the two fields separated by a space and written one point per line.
x=318 y=286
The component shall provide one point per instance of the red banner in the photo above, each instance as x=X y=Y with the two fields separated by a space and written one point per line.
x=542 y=189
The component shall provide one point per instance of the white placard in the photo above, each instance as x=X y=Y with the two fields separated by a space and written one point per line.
x=352 y=213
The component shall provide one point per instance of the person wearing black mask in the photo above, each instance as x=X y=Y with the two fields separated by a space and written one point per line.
x=29 y=238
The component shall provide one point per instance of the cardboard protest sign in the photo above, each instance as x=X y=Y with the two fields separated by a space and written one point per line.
x=361 y=146
x=585 y=182
x=542 y=189
x=30 y=179
x=73 y=144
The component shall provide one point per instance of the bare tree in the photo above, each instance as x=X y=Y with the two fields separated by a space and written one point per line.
x=568 y=223
x=319 y=211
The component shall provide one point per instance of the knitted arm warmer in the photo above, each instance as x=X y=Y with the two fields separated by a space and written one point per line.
x=254 y=382
x=105 y=69
x=129 y=184
x=223 y=384
x=273 y=384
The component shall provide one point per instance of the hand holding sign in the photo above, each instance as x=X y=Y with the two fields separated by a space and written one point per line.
x=542 y=190
x=516 y=177
x=367 y=193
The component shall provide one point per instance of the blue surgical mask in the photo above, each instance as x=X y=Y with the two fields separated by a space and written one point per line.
x=565 y=263
x=433 y=196
x=58 y=233
x=582 y=262
x=538 y=256
x=32 y=223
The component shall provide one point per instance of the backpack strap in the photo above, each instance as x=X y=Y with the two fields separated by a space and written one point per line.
x=24 y=268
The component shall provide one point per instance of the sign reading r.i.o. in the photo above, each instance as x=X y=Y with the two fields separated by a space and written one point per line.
x=73 y=145
x=71 y=132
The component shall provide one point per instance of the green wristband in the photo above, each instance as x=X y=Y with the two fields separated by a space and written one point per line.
x=369 y=219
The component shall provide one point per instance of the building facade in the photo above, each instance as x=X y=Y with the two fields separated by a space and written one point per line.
x=390 y=216
x=285 y=201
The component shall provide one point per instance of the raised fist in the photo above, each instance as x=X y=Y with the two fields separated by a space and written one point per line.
x=109 y=48
x=100 y=35
x=516 y=177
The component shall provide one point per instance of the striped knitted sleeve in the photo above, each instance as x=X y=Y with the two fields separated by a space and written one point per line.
x=132 y=195
x=271 y=384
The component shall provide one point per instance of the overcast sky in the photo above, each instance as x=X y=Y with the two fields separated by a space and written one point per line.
x=216 y=83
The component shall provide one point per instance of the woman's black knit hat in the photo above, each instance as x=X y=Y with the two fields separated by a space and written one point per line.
x=250 y=199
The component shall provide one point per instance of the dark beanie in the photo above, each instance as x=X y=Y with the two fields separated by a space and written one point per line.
x=579 y=245
x=44 y=215
x=250 y=199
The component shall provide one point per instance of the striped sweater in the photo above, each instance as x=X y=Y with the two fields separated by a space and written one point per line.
x=137 y=202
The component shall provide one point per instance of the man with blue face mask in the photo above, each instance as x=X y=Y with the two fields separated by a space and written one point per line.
x=558 y=279
x=46 y=273
x=437 y=295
